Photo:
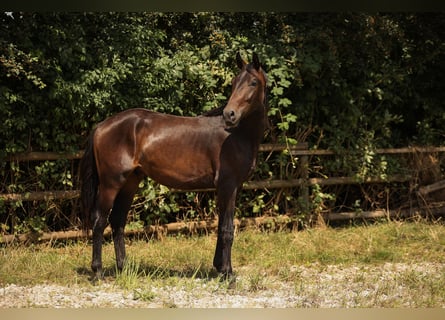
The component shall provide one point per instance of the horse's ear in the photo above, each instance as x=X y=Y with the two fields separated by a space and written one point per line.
x=239 y=61
x=256 y=61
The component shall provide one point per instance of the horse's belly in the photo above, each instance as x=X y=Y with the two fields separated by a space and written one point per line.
x=181 y=174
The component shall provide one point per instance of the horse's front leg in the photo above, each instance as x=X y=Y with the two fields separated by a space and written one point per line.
x=222 y=261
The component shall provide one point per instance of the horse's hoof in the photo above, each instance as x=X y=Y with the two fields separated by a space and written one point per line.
x=96 y=277
x=229 y=279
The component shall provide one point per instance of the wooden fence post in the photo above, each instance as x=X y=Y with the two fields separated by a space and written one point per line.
x=304 y=190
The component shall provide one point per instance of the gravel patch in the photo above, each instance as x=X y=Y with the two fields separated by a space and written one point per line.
x=390 y=284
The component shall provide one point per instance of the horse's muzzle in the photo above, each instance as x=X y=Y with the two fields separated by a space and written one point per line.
x=230 y=117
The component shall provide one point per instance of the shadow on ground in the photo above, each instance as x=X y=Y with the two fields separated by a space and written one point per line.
x=155 y=272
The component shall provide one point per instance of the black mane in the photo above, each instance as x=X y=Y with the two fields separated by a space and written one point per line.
x=218 y=111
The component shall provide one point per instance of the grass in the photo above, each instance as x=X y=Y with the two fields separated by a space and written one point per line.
x=259 y=259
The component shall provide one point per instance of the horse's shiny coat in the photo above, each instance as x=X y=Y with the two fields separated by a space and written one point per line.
x=218 y=149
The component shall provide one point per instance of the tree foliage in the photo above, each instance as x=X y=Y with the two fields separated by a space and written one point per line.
x=351 y=82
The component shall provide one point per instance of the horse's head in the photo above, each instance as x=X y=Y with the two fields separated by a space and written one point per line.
x=248 y=92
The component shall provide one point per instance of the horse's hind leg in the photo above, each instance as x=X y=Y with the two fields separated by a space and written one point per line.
x=119 y=213
x=100 y=221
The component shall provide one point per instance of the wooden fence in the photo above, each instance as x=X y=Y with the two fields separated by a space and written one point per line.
x=304 y=183
x=300 y=150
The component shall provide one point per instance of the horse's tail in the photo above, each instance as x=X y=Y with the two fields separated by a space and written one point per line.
x=89 y=183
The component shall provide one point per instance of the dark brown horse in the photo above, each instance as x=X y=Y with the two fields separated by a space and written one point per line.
x=218 y=149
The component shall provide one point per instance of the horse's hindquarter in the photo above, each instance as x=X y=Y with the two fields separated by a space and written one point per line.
x=181 y=152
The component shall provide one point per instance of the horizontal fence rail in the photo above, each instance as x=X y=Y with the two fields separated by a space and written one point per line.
x=296 y=150
x=300 y=149
x=193 y=227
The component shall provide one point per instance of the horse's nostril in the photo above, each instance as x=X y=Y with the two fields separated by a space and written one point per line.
x=230 y=117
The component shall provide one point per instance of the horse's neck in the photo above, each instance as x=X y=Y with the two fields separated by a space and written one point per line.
x=253 y=133
x=254 y=126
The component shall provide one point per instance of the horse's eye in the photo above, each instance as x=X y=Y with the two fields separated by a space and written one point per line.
x=254 y=82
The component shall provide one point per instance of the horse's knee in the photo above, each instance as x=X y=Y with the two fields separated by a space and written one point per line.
x=117 y=224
